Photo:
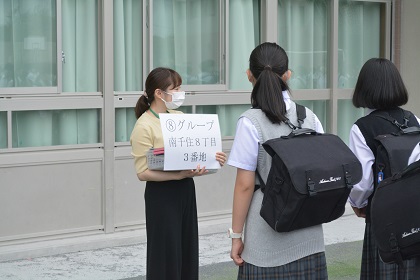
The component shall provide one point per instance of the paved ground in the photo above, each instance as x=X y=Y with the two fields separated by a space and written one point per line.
x=342 y=238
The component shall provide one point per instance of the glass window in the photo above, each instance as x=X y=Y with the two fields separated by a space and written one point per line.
x=128 y=45
x=244 y=36
x=359 y=38
x=186 y=37
x=3 y=130
x=228 y=116
x=80 y=45
x=303 y=33
x=320 y=108
x=55 y=127
x=125 y=118
x=28 y=48
x=185 y=109
x=347 y=116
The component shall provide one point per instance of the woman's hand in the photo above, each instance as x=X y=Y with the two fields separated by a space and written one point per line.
x=360 y=212
x=236 y=251
x=221 y=158
x=194 y=172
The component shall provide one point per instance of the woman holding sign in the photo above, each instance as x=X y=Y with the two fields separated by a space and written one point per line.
x=171 y=213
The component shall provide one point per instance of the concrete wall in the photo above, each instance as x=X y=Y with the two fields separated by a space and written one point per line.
x=54 y=202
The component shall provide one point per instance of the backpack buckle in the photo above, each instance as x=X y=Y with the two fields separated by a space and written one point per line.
x=311 y=188
x=292 y=126
x=394 y=244
x=347 y=176
x=311 y=184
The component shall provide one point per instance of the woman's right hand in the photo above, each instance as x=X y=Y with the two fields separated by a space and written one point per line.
x=236 y=251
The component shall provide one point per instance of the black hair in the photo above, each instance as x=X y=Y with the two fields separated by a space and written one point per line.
x=379 y=86
x=267 y=63
x=158 y=78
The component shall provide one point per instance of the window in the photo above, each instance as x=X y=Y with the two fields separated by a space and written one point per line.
x=207 y=42
x=3 y=130
x=303 y=34
x=128 y=45
x=80 y=45
x=359 y=38
x=28 y=44
x=244 y=36
x=125 y=118
x=30 y=64
x=55 y=127
x=187 y=38
x=306 y=31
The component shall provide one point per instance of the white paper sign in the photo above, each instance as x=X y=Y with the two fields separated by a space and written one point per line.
x=190 y=140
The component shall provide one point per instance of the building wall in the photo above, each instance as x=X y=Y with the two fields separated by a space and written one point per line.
x=410 y=53
x=68 y=199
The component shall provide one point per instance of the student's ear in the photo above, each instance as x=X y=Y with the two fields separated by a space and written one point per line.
x=251 y=77
x=286 y=76
x=158 y=93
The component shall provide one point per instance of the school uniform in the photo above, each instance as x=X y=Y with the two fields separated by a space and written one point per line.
x=268 y=254
x=171 y=212
x=364 y=146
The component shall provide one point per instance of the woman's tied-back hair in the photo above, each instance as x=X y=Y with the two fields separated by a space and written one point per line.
x=267 y=63
x=158 y=78
x=379 y=86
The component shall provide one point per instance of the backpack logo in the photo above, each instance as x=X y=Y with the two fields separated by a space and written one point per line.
x=331 y=179
x=413 y=231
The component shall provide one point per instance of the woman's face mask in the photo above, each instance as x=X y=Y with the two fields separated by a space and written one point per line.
x=178 y=98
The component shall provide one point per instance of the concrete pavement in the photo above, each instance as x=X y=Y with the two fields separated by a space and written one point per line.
x=128 y=262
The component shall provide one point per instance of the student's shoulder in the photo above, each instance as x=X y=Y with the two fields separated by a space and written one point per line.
x=143 y=122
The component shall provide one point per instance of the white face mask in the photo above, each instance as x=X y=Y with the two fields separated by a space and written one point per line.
x=178 y=98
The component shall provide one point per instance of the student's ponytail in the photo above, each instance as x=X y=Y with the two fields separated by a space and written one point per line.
x=268 y=63
x=142 y=106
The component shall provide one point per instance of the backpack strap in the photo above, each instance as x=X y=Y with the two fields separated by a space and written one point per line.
x=388 y=117
x=301 y=114
x=262 y=184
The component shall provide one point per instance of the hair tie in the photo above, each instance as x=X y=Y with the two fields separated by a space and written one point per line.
x=145 y=94
x=267 y=67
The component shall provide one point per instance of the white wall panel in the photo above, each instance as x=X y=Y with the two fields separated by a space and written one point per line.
x=129 y=195
x=46 y=199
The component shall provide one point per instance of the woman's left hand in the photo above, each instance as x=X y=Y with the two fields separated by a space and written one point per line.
x=221 y=158
x=194 y=172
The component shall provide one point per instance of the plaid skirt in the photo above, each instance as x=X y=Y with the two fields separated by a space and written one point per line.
x=313 y=267
x=372 y=266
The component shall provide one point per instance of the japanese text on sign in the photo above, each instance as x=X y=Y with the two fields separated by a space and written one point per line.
x=190 y=140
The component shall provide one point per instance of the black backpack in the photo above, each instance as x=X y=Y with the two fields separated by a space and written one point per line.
x=395 y=204
x=310 y=178
x=394 y=149
x=395 y=215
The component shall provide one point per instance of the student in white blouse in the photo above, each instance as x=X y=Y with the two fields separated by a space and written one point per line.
x=380 y=90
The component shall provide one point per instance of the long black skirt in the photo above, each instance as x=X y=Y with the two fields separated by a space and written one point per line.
x=172 y=230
